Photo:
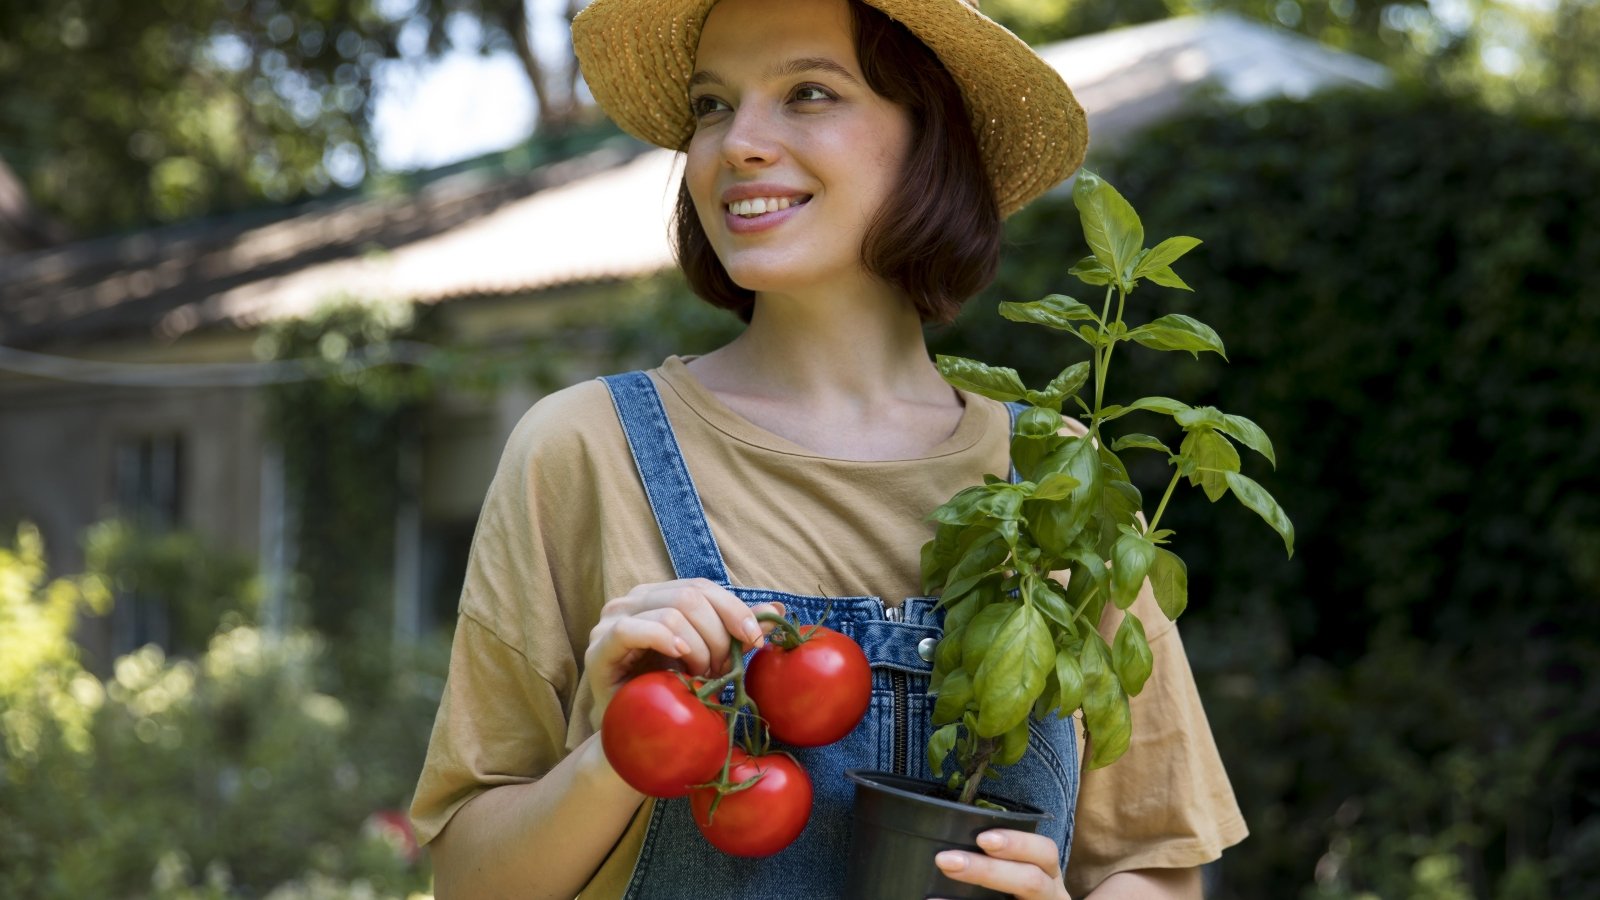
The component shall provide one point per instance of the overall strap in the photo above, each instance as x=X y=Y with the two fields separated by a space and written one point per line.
x=1016 y=408
x=673 y=498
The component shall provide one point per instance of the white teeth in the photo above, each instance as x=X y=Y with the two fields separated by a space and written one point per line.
x=756 y=206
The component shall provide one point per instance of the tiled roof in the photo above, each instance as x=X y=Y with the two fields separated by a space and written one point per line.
x=597 y=217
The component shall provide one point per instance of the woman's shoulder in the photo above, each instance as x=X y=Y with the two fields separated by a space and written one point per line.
x=572 y=422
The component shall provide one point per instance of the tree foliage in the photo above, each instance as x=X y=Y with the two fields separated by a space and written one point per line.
x=1410 y=288
x=122 y=113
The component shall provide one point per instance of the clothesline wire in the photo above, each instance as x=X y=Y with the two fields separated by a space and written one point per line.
x=240 y=374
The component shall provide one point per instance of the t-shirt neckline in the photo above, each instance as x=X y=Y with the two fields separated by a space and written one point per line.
x=674 y=371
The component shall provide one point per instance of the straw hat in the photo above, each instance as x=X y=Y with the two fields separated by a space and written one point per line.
x=637 y=57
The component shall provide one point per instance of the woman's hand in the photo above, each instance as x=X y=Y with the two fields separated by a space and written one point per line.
x=686 y=624
x=1024 y=865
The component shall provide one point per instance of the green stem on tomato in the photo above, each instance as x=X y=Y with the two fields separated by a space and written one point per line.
x=792 y=636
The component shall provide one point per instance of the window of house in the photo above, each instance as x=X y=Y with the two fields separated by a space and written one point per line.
x=147 y=486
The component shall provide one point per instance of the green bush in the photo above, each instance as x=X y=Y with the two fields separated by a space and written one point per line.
x=231 y=774
x=1409 y=290
x=200 y=586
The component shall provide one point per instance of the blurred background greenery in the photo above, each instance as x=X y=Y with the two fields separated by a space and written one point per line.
x=1408 y=282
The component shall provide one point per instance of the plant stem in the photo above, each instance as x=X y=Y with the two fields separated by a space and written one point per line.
x=1101 y=357
x=1164 y=498
x=987 y=747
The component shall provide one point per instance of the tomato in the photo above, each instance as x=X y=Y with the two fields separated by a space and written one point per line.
x=660 y=738
x=813 y=694
x=764 y=817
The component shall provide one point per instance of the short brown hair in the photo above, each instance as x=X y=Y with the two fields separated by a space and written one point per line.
x=938 y=236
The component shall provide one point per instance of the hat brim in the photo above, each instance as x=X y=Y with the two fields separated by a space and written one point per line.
x=637 y=57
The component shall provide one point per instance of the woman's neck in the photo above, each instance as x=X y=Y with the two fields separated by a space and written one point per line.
x=848 y=353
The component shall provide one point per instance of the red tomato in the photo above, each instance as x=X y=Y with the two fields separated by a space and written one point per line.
x=660 y=738
x=813 y=694
x=763 y=818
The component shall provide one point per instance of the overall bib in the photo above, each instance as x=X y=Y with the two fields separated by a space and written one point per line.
x=676 y=862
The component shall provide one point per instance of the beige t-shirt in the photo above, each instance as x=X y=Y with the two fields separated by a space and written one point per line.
x=566 y=526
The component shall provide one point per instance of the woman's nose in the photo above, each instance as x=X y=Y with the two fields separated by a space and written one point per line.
x=751 y=139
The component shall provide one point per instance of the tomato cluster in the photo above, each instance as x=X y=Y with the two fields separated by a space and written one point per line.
x=668 y=735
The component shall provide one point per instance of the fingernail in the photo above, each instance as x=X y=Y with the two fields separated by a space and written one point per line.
x=682 y=646
x=991 y=841
x=951 y=861
x=752 y=630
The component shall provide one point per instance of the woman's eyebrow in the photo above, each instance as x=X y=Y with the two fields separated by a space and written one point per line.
x=784 y=69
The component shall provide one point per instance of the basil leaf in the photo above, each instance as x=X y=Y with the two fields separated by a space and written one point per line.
x=1169 y=579
x=1249 y=434
x=1164 y=254
x=1012 y=674
x=939 y=746
x=1110 y=225
x=1130 y=655
x=1256 y=498
x=1131 y=557
x=995 y=382
x=1106 y=715
x=1056 y=311
x=1178 y=332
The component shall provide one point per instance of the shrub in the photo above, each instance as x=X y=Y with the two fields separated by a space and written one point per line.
x=1409 y=290
x=231 y=774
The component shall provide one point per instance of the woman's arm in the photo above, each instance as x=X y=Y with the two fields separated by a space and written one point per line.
x=544 y=839
x=548 y=837
x=1145 y=884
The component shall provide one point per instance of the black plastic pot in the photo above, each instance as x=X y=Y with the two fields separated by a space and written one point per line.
x=901 y=822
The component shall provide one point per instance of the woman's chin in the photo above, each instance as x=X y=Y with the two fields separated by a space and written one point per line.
x=779 y=277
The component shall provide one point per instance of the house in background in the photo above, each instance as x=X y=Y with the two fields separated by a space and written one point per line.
x=129 y=377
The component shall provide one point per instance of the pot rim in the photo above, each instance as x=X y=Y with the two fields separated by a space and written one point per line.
x=871 y=778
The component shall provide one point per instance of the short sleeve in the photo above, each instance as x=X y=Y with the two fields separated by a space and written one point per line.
x=514 y=666
x=488 y=731
x=1167 y=803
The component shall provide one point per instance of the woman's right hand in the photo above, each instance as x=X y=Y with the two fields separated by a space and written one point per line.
x=689 y=623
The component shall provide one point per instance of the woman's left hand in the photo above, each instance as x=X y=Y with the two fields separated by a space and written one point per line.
x=1027 y=866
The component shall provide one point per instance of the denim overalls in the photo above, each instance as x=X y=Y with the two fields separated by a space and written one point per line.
x=675 y=861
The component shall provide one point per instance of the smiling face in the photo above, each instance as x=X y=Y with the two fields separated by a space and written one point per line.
x=793 y=154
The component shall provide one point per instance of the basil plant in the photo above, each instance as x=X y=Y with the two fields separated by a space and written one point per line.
x=1020 y=640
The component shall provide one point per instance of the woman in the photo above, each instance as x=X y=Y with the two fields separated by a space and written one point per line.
x=844 y=181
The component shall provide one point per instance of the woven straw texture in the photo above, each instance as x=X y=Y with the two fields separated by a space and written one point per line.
x=637 y=57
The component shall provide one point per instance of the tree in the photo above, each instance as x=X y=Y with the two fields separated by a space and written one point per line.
x=121 y=113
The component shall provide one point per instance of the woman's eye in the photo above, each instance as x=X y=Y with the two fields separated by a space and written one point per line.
x=703 y=106
x=809 y=92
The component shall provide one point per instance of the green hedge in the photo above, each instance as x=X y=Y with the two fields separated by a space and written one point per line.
x=234 y=773
x=1409 y=289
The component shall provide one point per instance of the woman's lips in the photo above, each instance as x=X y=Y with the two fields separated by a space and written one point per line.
x=764 y=222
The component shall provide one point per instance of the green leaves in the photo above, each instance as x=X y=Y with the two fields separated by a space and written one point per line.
x=1055 y=524
x=996 y=501
x=1018 y=643
x=1110 y=225
x=1214 y=457
x=994 y=382
x=1056 y=311
x=1069 y=382
x=1144 y=441
x=1178 y=332
x=1105 y=704
x=1069 y=680
x=1130 y=655
x=1164 y=254
x=1165 y=405
x=1249 y=434
x=1169 y=578
x=1012 y=674
x=1131 y=558
x=1255 y=497
x=939 y=747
